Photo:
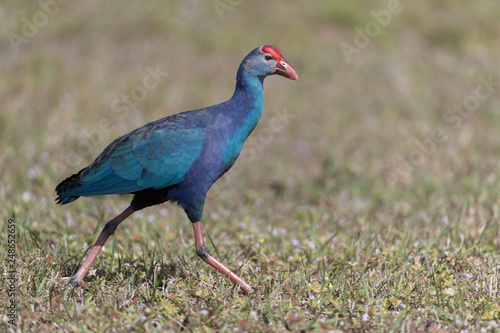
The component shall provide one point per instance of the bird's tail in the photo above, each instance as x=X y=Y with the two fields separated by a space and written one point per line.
x=65 y=188
x=62 y=200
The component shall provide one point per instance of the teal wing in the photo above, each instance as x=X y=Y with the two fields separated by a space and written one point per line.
x=147 y=158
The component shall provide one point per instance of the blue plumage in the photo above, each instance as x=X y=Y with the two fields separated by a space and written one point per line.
x=190 y=151
x=179 y=157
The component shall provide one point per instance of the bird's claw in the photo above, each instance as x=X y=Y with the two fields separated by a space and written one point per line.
x=71 y=280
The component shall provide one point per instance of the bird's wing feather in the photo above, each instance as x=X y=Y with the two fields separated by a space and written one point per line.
x=146 y=158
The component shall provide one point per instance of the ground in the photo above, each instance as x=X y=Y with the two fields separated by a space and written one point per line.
x=365 y=200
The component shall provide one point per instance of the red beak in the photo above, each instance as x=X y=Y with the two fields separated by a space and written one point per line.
x=284 y=68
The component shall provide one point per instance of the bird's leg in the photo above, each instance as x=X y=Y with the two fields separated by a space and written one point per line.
x=108 y=230
x=204 y=254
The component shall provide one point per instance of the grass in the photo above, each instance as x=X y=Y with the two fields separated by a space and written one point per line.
x=343 y=218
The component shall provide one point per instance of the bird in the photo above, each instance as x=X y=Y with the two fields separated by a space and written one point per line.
x=177 y=158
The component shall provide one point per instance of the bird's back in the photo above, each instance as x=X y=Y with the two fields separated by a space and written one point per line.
x=154 y=156
x=192 y=148
x=180 y=156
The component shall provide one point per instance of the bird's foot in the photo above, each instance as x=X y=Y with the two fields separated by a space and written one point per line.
x=72 y=280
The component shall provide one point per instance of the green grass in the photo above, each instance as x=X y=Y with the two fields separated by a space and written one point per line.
x=333 y=222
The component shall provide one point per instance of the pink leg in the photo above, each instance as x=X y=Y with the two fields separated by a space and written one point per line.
x=108 y=230
x=204 y=254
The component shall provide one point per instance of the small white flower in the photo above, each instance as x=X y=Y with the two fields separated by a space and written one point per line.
x=449 y=292
x=279 y=231
x=27 y=196
x=295 y=242
x=492 y=324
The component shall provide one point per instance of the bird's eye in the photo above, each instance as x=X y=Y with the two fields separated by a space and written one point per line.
x=268 y=58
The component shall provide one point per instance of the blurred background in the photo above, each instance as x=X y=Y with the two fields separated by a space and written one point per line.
x=393 y=123
x=377 y=80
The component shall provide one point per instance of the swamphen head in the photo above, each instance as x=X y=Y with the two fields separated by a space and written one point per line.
x=267 y=60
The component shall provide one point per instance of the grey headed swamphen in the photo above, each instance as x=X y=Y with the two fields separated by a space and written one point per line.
x=179 y=157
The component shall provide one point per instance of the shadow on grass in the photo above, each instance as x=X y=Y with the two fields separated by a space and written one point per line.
x=149 y=269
